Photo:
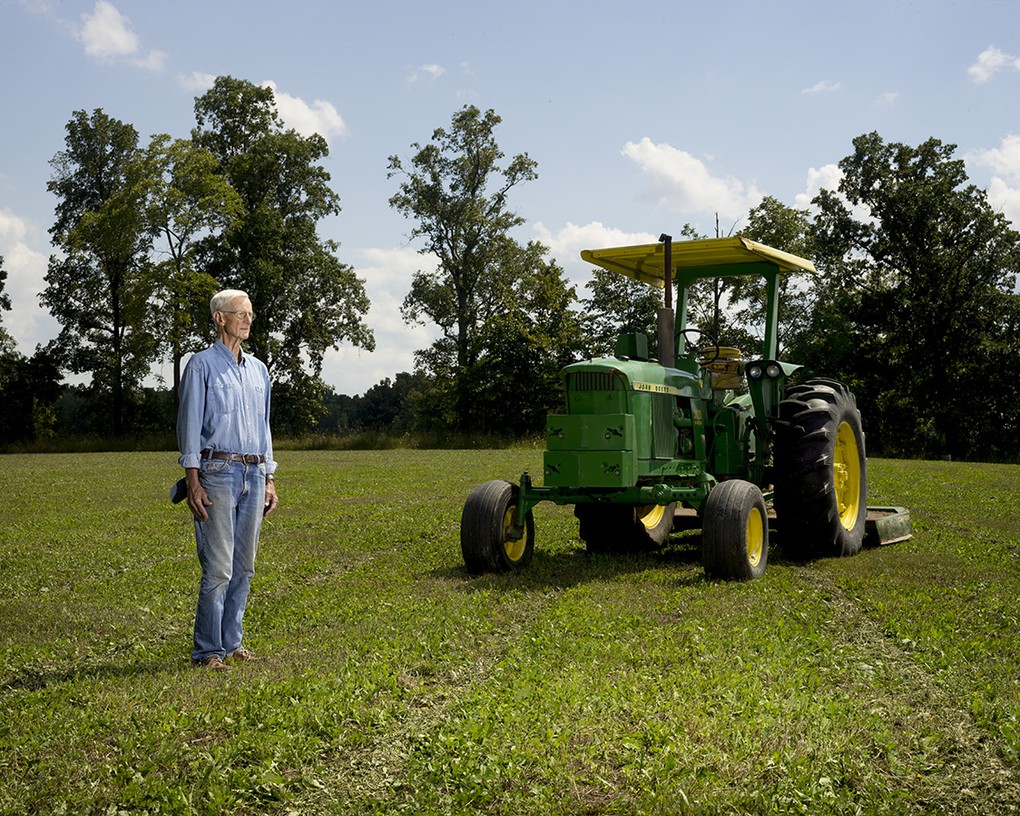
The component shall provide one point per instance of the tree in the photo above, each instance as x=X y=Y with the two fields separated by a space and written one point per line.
x=387 y=406
x=189 y=199
x=6 y=341
x=96 y=288
x=924 y=269
x=305 y=299
x=516 y=381
x=456 y=190
x=618 y=305
x=28 y=386
x=774 y=224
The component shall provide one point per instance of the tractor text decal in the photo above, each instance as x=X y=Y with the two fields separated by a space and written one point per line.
x=656 y=389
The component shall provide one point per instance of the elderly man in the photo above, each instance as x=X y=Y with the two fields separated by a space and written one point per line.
x=227 y=455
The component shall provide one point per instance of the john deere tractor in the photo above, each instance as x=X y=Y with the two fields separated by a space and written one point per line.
x=701 y=431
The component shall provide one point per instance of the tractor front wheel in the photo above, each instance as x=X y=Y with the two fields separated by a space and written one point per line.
x=620 y=528
x=735 y=532
x=487 y=523
x=821 y=473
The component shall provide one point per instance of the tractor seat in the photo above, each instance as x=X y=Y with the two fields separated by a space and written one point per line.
x=725 y=364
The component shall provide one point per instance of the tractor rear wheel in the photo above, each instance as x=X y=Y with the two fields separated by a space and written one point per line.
x=486 y=527
x=821 y=472
x=621 y=528
x=735 y=532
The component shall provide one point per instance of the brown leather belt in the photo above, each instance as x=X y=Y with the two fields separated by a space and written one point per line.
x=247 y=458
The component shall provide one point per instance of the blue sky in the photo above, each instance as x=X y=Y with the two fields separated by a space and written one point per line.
x=642 y=115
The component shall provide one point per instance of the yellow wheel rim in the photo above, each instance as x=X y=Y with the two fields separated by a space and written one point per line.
x=754 y=537
x=652 y=517
x=513 y=547
x=846 y=472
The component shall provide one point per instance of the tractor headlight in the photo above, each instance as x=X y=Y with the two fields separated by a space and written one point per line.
x=754 y=371
x=773 y=370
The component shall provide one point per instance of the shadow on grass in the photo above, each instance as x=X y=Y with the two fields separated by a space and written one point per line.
x=562 y=570
x=36 y=679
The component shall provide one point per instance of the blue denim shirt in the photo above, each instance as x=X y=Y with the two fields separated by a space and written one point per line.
x=224 y=405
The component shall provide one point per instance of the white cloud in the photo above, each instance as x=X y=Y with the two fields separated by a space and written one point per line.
x=827 y=177
x=108 y=36
x=1004 y=187
x=888 y=98
x=825 y=86
x=27 y=322
x=1005 y=199
x=990 y=62
x=565 y=246
x=318 y=117
x=1004 y=160
x=197 y=81
x=387 y=274
x=431 y=72
x=684 y=183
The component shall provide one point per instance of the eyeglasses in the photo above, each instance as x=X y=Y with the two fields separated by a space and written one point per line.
x=241 y=315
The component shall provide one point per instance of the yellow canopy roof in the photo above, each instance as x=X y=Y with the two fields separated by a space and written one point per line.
x=645 y=261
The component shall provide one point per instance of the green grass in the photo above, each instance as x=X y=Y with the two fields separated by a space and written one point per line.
x=396 y=683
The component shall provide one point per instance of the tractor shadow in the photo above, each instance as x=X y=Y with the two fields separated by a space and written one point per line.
x=563 y=569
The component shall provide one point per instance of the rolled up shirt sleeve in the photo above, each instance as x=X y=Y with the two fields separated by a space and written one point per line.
x=270 y=460
x=191 y=412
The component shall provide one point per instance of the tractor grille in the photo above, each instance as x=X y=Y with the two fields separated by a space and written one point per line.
x=594 y=381
x=663 y=432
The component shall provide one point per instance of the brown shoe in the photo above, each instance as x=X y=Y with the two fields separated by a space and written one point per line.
x=213 y=663
x=242 y=655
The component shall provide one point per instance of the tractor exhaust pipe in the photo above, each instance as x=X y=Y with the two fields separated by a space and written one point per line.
x=666 y=319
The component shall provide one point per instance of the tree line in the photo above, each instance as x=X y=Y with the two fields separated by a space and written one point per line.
x=914 y=304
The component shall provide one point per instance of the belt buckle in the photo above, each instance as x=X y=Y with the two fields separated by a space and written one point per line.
x=250 y=458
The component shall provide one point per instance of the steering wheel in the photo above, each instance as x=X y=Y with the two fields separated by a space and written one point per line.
x=694 y=349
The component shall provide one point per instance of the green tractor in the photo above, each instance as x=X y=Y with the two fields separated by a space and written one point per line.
x=699 y=434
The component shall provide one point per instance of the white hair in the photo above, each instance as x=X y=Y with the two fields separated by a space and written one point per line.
x=221 y=300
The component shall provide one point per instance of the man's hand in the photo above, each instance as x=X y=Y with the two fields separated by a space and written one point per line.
x=198 y=499
x=271 y=499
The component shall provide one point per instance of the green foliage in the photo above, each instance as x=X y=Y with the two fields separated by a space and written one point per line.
x=618 y=305
x=29 y=388
x=776 y=225
x=921 y=277
x=915 y=297
x=515 y=381
x=495 y=301
x=96 y=288
x=396 y=683
x=189 y=199
x=306 y=299
x=5 y=300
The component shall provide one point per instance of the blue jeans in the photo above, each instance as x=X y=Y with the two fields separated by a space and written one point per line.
x=227 y=542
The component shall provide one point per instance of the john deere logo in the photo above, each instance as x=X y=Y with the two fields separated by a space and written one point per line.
x=654 y=388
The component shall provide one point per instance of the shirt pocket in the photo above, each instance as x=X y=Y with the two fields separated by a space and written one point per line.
x=223 y=398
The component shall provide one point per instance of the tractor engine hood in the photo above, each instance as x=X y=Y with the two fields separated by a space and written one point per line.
x=612 y=374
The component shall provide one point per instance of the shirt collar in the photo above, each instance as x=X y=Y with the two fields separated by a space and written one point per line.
x=221 y=347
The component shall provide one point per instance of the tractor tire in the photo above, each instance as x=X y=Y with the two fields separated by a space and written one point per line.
x=821 y=472
x=485 y=523
x=624 y=528
x=735 y=532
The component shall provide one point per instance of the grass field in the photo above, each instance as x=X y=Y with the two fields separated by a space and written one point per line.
x=396 y=683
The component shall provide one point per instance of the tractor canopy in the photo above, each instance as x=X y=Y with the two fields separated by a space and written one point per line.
x=705 y=258
x=708 y=258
